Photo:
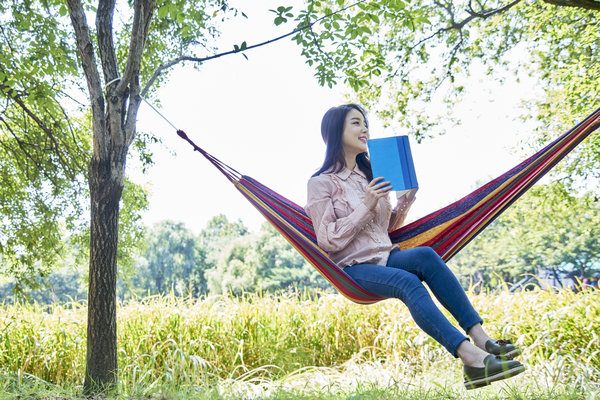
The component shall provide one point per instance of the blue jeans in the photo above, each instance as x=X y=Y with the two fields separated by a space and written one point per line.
x=403 y=278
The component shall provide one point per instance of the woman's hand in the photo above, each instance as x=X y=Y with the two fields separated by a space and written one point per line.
x=375 y=190
x=406 y=200
x=399 y=212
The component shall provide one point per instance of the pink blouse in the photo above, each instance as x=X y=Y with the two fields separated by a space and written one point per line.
x=344 y=225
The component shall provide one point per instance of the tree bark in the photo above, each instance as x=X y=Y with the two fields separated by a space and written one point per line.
x=113 y=126
x=585 y=4
x=106 y=187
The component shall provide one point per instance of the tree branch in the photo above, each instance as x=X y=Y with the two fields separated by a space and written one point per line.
x=453 y=58
x=585 y=4
x=318 y=46
x=453 y=25
x=79 y=166
x=104 y=27
x=41 y=124
x=177 y=60
x=134 y=104
x=488 y=13
x=143 y=10
x=482 y=14
x=90 y=69
x=458 y=26
x=34 y=160
x=129 y=85
x=23 y=148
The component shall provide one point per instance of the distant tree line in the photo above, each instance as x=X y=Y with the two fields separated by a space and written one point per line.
x=549 y=228
x=225 y=258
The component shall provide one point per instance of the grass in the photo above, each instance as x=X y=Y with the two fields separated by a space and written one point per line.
x=325 y=385
x=279 y=347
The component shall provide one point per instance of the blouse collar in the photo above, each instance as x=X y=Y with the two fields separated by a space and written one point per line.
x=345 y=172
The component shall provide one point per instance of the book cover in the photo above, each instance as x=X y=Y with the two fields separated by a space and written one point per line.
x=391 y=158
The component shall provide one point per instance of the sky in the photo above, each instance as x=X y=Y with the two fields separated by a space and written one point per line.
x=262 y=117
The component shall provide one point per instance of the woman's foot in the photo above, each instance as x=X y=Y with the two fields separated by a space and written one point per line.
x=493 y=370
x=471 y=355
x=502 y=348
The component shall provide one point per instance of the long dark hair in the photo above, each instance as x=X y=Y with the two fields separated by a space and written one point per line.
x=332 y=128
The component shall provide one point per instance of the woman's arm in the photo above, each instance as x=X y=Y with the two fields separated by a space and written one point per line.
x=333 y=233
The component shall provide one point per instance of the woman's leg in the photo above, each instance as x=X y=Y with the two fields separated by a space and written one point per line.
x=406 y=286
x=479 y=336
x=480 y=368
x=428 y=266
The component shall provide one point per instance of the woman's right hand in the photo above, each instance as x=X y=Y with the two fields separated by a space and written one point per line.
x=375 y=190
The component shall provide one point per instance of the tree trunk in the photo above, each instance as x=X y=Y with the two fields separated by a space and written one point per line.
x=106 y=187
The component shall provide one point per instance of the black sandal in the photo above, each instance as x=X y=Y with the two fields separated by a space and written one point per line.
x=493 y=370
x=502 y=348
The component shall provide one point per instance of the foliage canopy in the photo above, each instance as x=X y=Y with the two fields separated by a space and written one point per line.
x=410 y=61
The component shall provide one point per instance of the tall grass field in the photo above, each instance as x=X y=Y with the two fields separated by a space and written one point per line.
x=272 y=347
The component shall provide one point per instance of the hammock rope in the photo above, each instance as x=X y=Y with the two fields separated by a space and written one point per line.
x=447 y=230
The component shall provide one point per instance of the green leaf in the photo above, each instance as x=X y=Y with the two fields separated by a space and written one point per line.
x=163 y=11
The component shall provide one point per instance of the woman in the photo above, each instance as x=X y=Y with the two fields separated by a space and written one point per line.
x=352 y=215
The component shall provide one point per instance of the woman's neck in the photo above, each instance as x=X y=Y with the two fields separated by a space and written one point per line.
x=350 y=162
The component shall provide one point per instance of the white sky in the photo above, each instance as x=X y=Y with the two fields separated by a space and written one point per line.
x=262 y=117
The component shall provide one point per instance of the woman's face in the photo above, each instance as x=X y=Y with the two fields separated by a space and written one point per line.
x=355 y=134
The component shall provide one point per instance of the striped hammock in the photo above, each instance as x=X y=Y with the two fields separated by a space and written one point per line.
x=447 y=230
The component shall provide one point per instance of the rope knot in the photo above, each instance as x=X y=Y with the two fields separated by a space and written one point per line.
x=182 y=134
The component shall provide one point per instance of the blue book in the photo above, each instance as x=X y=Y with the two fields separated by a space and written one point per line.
x=392 y=159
